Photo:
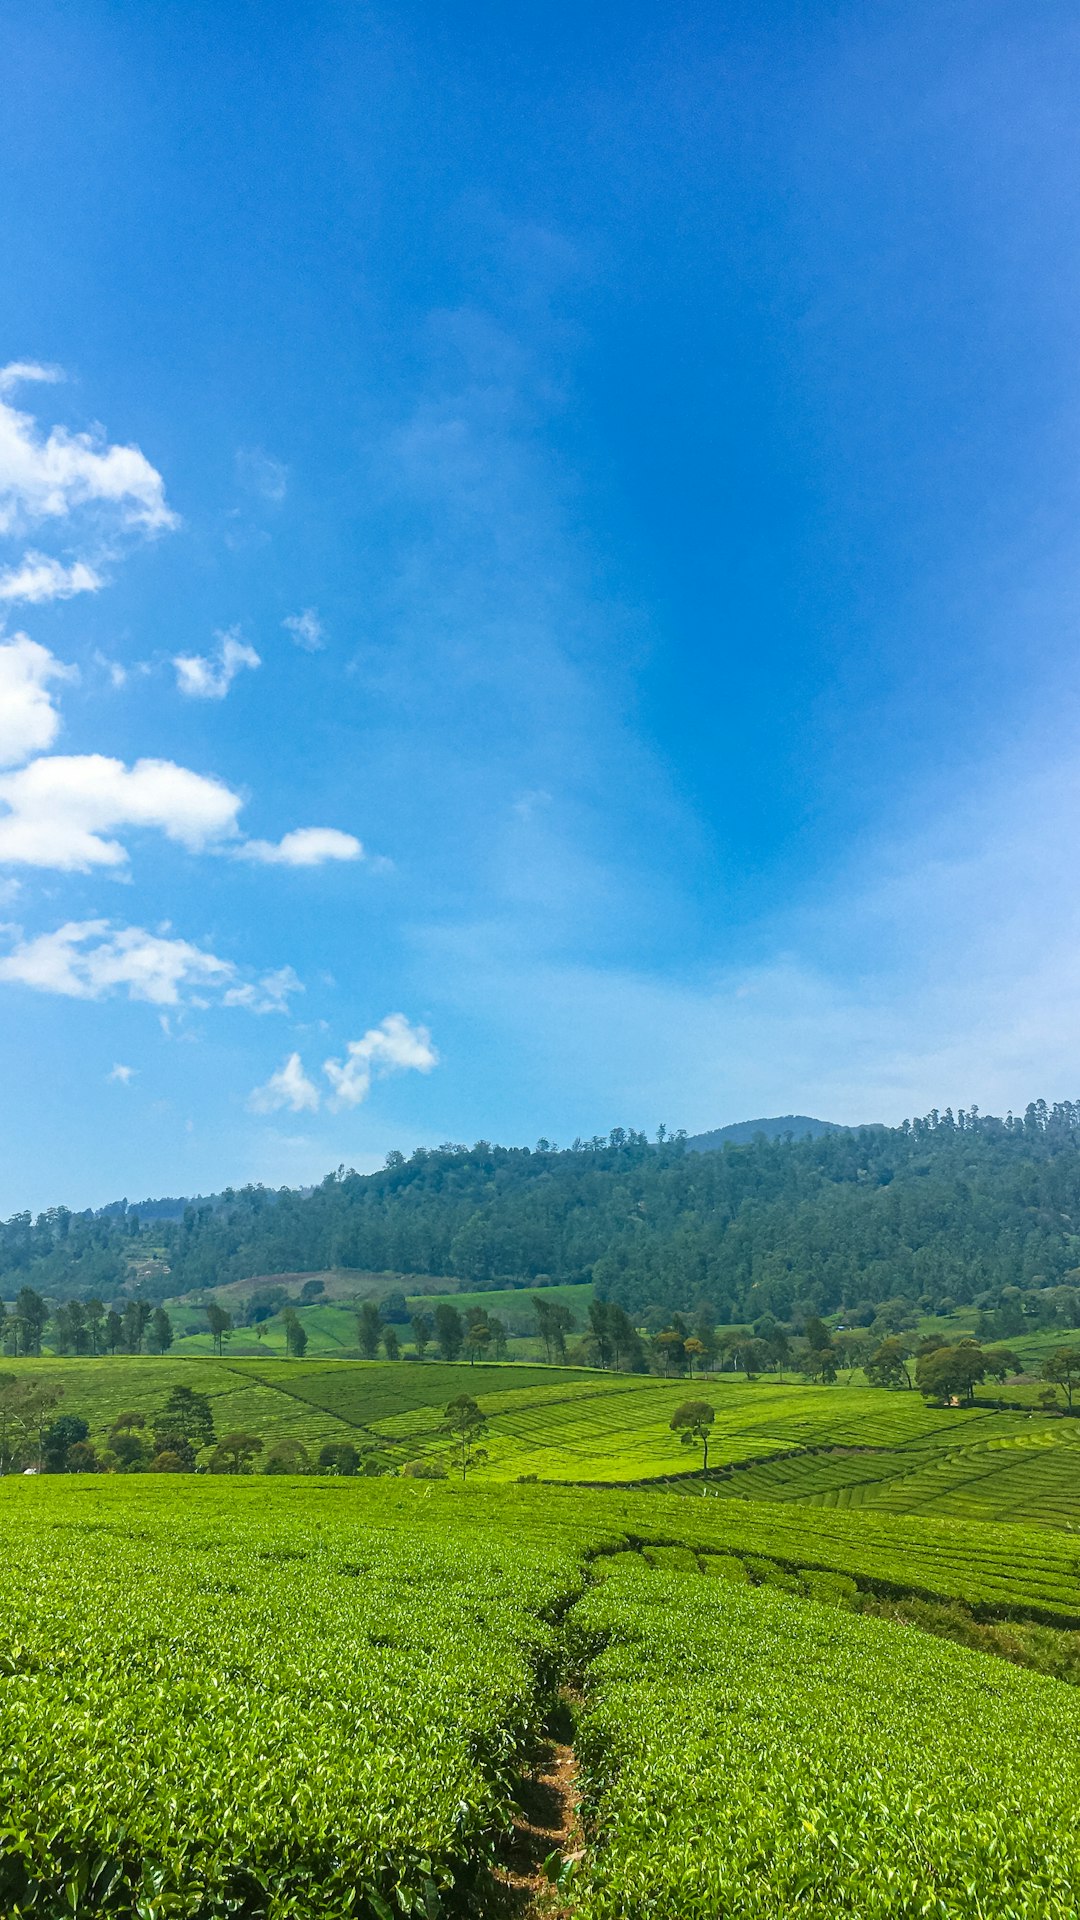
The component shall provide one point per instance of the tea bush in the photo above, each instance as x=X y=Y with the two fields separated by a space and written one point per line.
x=748 y=1755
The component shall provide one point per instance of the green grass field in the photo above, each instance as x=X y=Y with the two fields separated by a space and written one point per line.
x=330 y=1324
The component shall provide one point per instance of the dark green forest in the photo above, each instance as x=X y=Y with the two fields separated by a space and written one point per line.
x=948 y=1209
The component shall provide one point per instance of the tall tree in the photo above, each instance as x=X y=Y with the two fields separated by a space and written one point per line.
x=161 y=1331
x=1062 y=1369
x=449 y=1331
x=220 y=1321
x=186 y=1414
x=423 y=1326
x=32 y=1315
x=466 y=1426
x=693 y=1423
x=369 y=1329
x=296 y=1338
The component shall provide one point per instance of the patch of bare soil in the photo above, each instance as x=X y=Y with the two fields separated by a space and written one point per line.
x=546 y=1825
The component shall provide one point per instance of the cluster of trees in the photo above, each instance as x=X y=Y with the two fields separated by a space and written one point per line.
x=181 y=1438
x=83 y=1326
x=951 y=1206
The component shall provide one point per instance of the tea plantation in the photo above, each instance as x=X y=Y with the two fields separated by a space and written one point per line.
x=286 y=1698
x=840 y=1446
x=270 y=1697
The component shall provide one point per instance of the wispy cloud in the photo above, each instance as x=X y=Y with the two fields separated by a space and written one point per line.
x=209 y=677
x=306 y=629
x=19 y=373
x=92 y=960
x=37 y=578
x=261 y=474
x=123 y=1076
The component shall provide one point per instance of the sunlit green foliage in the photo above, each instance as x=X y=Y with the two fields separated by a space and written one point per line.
x=749 y=1755
x=210 y=1709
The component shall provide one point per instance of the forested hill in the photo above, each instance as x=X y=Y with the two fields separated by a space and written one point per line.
x=797 y=1124
x=945 y=1208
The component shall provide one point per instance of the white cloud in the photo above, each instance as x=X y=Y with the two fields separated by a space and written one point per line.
x=304 y=847
x=64 y=809
x=262 y=474
x=204 y=678
x=18 y=371
x=270 y=994
x=90 y=959
x=289 y=1087
x=122 y=1075
x=306 y=629
x=391 y=1047
x=115 y=670
x=47 y=476
x=28 y=719
x=37 y=577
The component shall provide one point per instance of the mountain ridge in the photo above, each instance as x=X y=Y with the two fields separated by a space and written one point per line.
x=800 y=1126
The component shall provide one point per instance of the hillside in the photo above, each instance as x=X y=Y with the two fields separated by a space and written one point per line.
x=947 y=1210
x=845 y=1446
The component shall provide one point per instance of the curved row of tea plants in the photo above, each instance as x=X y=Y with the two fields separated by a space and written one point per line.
x=745 y=1754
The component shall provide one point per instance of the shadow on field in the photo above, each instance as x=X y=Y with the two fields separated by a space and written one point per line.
x=546 y=1826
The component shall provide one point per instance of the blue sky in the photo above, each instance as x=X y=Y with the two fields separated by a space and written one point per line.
x=538 y=576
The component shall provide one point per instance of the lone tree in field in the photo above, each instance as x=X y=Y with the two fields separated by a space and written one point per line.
x=186 y=1415
x=466 y=1426
x=295 y=1334
x=369 y=1329
x=220 y=1320
x=693 y=1423
x=1062 y=1367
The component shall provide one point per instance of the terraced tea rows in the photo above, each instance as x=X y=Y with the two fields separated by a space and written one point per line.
x=207 y=1711
x=283 y=1699
x=833 y=1446
x=749 y=1755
